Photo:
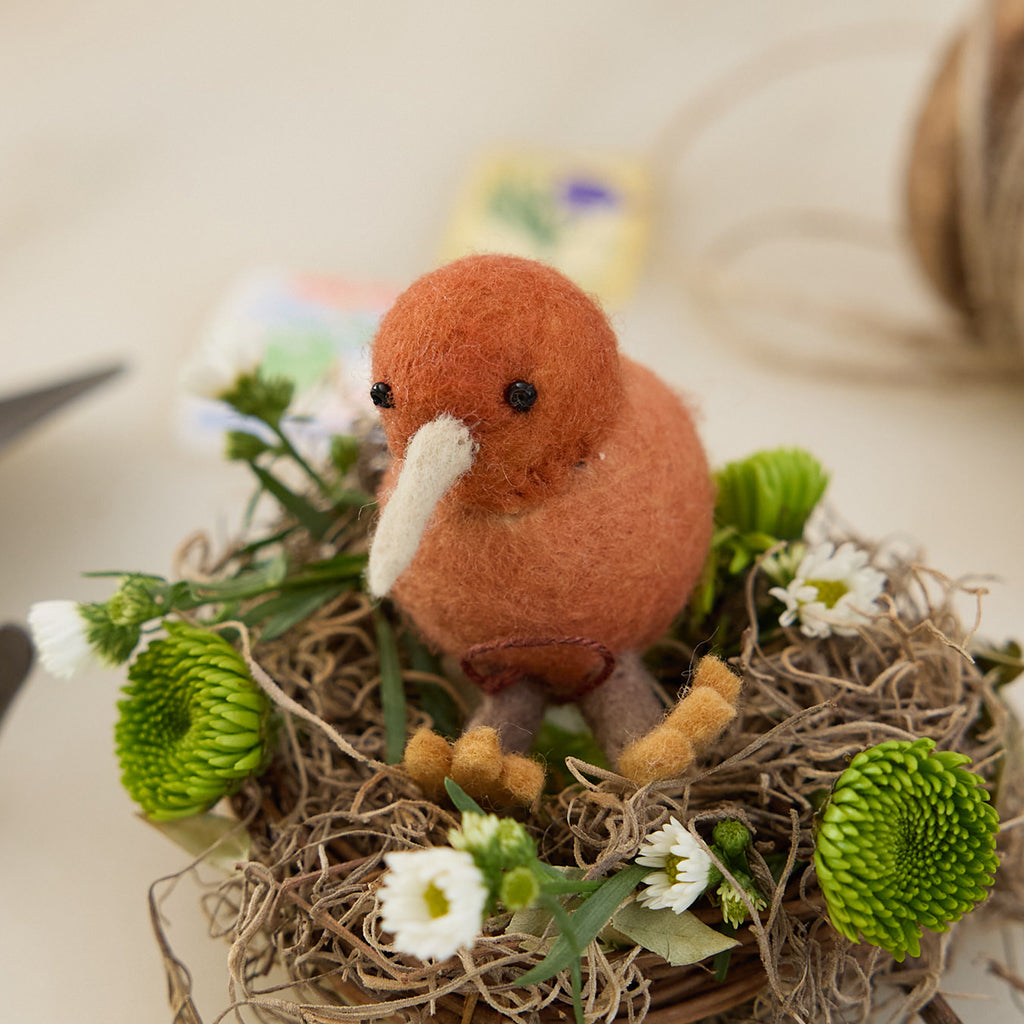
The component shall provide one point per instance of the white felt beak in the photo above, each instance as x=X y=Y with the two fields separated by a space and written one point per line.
x=437 y=455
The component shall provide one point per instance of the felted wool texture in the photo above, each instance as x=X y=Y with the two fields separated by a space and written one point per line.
x=476 y=757
x=661 y=754
x=589 y=515
x=689 y=729
x=611 y=556
x=441 y=451
x=713 y=673
x=457 y=337
x=428 y=759
x=515 y=713
x=701 y=716
x=522 y=781
x=625 y=708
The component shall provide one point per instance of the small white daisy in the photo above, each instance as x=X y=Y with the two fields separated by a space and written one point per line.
x=433 y=901
x=682 y=868
x=213 y=371
x=59 y=634
x=834 y=591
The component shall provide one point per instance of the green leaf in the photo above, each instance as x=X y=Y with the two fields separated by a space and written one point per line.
x=243 y=446
x=576 y=974
x=1004 y=662
x=222 y=842
x=529 y=921
x=739 y=561
x=344 y=452
x=279 y=614
x=104 y=573
x=770 y=492
x=312 y=518
x=462 y=800
x=554 y=743
x=251 y=583
x=350 y=497
x=678 y=938
x=392 y=690
x=262 y=542
x=702 y=599
x=587 y=921
x=340 y=567
x=434 y=699
x=262 y=395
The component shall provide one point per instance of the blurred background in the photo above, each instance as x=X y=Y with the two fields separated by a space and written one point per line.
x=151 y=155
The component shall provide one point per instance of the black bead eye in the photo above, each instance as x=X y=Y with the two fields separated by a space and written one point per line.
x=521 y=395
x=380 y=395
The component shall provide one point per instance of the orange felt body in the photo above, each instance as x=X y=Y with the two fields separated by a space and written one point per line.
x=458 y=336
x=589 y=515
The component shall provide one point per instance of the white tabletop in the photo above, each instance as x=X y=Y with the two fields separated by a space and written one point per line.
x=150 y=153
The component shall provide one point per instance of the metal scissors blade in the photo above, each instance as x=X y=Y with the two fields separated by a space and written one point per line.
x=19 y=412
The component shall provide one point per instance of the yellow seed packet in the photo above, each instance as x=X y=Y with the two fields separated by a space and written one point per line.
x=588 y=214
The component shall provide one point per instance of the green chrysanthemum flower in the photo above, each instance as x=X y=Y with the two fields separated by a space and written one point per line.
x=906 y=841
x=193 y=724
x=770 y=492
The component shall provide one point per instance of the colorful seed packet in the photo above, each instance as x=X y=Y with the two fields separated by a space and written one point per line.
x=586 y=214
x=312 y=328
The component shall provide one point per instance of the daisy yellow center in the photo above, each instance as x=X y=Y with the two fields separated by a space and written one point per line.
x=436 y=901
x=672 y=864
x=829 y=591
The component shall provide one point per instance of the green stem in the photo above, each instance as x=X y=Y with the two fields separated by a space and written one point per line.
x=722 y=960
x=342 y=568
x=554 y=907
x=293 y=452
x=567 y=886
x=564 y=922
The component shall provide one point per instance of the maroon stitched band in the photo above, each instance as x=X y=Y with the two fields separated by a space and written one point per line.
x=497 y=681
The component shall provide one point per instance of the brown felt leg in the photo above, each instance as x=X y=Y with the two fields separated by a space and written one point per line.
x=486 y=760
x=624 y=707
x=691 y=727
x=514 y=712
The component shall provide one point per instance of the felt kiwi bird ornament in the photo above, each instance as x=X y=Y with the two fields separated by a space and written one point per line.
x=546 y=513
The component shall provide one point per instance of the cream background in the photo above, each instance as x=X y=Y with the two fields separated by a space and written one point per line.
x=150 y=152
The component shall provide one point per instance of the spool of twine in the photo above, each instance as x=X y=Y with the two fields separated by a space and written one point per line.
x=965 y=178
x=964 y=200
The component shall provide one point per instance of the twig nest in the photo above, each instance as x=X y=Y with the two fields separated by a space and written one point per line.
x=965 y=179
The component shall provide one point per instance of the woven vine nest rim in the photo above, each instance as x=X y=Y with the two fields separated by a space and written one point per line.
x=322 y=817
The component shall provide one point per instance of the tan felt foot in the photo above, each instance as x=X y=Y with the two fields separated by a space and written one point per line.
x=428 y=760
x=521 y=780
x=690 y=728
x=716 y=675
x=476 y=761
x=701 y=716
x=662 y=754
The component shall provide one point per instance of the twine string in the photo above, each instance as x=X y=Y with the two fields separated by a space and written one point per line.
x=990 y=346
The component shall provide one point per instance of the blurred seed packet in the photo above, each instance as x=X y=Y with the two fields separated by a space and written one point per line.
x=312 y=328
x=586 y=214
